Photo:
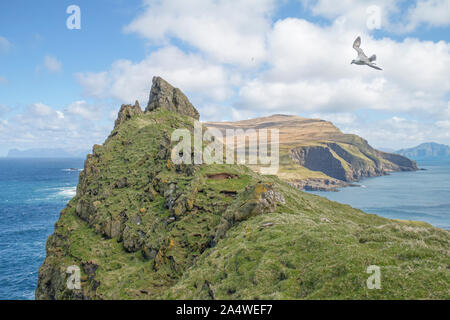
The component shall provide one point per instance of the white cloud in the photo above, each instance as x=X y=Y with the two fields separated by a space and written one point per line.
x=84 y=110
x=303 y=75
x=127 y=81
x=40 y=109
x=52 y=64
x=5 y=45
x=435 y=13
x=94 y=84
x=3 y=80
x=397 y=132
x=44 y=126
x=343 y=119
x=443 y=124
x=393 y=15
x=230 y=31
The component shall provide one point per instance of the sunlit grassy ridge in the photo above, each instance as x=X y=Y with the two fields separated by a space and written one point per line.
x=141 y=227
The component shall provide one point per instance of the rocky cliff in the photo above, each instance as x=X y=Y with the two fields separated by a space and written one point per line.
x=164 y=95
x=142 y=227
x=315 y=155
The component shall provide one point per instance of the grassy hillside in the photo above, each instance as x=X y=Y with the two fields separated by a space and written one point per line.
x=141 y=227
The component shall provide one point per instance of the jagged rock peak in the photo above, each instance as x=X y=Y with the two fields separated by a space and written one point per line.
x=127 y=111
x=163 y=94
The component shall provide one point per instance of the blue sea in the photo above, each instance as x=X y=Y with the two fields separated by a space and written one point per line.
x=420 y=195
x=33 y=192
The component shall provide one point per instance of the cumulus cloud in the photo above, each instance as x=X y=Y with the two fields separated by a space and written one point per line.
x=127 y=81
x=52 y=64
x=94 y=84
x=86 y=111
x=435 y=13
x=303 y=75
x=229 y=31
x=394 y=16
x=41 y=125
x=398 y=132
x=341 y=119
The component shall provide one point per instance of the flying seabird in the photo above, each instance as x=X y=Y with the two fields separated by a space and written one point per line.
x=362 y=58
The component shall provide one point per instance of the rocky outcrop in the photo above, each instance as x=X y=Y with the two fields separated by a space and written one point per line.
x=164 y=95
x=403 y=163
x=255 y=200
x=316 y=184
x=347 y=163
x=127 y=111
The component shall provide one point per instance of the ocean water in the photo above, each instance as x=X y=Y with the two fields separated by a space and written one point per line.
x=32 y=193
x=419 y=195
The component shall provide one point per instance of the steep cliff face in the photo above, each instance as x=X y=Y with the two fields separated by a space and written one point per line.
x=321 y=158
x=142 y=227
x=339 y=161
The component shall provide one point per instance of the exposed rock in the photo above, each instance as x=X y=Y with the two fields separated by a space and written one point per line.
x=340 y=163
x=164 y=95
x=320 y=158
x=133 y=239
x=127 y=111
x=255 y=200
x=121 y=183
x=316 y=184
x=221 y=176
x=90 y=268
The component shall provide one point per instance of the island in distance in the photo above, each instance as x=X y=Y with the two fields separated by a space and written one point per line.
x=427 y=151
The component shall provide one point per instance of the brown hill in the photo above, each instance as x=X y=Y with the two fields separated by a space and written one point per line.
x=316 y=155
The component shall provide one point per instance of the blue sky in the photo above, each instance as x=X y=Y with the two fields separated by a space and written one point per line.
x=234 y=60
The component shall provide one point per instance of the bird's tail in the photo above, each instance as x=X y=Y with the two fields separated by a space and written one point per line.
x=373 y=58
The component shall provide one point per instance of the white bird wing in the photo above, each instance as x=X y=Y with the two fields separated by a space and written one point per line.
x=373 y=66
x=356 y=46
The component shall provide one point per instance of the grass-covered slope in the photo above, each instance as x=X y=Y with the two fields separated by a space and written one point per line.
x=141 y=227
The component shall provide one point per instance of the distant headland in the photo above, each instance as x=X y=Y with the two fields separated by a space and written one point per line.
x=429 y=150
